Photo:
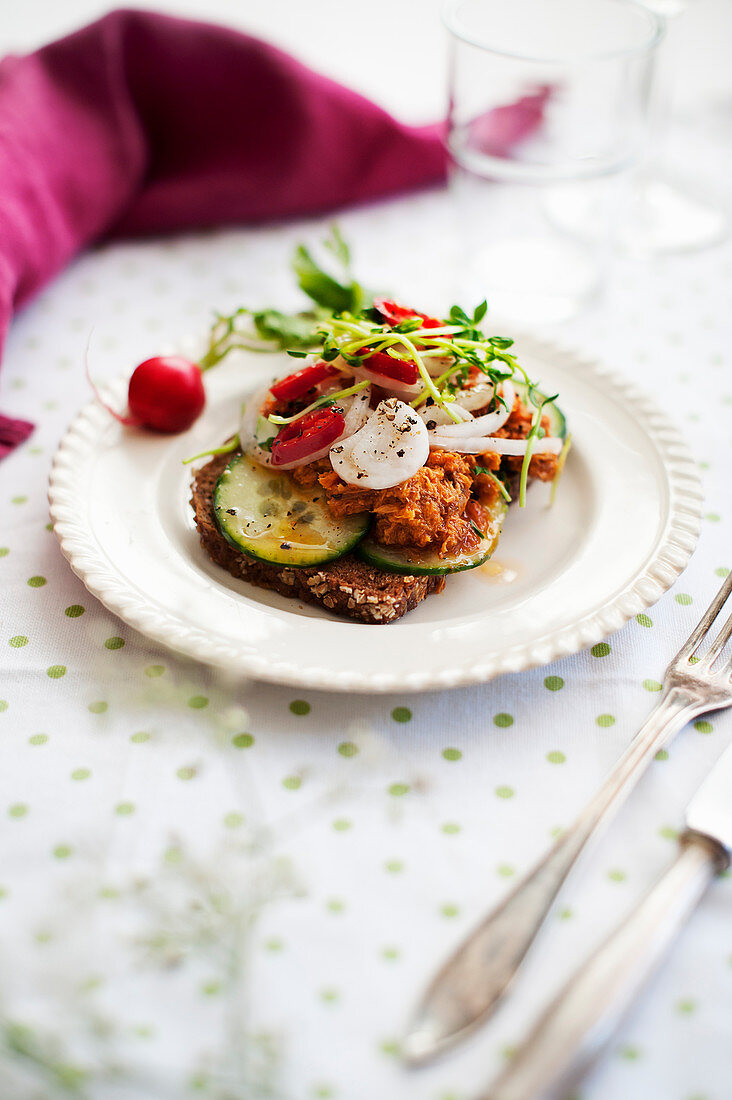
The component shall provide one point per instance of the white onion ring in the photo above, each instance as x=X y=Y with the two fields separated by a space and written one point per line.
x=513 y=447
x=437 y=364
x=248 y=426
x=441 y=416
x=477 y=396
x=402 y=390
x=489 y=422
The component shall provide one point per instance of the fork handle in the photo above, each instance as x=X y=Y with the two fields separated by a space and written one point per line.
x=474 y=978
x=582 y=1019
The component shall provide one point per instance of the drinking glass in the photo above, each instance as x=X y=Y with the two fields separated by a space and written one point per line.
x=666 y=215
x=549 y=106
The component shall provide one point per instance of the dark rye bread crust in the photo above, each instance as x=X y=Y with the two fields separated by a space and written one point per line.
x=347 y=586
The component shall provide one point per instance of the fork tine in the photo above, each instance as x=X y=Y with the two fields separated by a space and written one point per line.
x=701 y=629
x=719 y=643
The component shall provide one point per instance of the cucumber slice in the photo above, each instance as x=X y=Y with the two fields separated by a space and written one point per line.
x=267 y=516
x=400 y=559
x=557 y=421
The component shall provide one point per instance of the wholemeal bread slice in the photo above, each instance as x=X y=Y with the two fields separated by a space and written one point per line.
x=347 y=587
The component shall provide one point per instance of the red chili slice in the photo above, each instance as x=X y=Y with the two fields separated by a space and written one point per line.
x=306 y=436
x=401 y=370
x=297 y=384
x=394 y=314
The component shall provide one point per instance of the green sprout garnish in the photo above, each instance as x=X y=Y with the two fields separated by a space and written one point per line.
x=226 y=449
x=535 y=432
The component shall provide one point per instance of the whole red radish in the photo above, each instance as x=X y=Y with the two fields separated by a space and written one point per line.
x=166 y=394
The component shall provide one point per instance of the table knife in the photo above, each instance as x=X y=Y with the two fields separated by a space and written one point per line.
x=579 y=1023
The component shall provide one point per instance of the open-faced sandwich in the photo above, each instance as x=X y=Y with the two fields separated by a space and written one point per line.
x=383 y=463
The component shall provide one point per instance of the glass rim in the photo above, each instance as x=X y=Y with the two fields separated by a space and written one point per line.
x=657 y=28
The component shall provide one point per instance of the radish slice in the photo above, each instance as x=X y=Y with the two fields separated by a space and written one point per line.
x=515 y=447
x=390 y=448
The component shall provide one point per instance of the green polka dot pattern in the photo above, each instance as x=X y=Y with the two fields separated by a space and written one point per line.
x=401 y=714
x=249 y=834
x=242 y=740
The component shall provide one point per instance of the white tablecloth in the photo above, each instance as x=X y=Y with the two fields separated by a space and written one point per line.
x=200 y=885
x=223 y=893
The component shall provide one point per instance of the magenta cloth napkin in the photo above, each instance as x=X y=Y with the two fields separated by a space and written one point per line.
x=141 y=123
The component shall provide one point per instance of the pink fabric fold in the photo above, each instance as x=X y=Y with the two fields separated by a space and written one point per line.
x=141 y=123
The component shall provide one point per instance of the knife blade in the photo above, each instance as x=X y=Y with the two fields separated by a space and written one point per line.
x=710 y=810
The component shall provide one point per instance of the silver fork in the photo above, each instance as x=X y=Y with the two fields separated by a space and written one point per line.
x=474 y=978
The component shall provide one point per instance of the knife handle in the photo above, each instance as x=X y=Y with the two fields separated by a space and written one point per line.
x=574 y=1029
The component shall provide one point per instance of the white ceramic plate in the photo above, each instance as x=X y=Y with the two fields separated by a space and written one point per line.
x=624 y=524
